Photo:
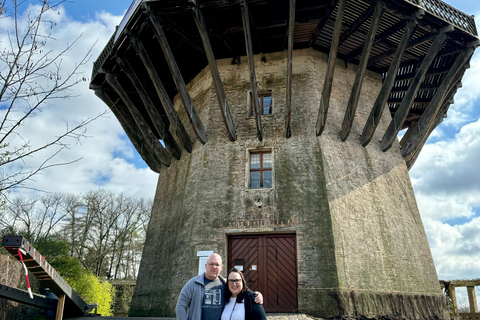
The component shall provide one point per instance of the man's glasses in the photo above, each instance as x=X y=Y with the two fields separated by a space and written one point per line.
x=237 y=281
x=214 y=265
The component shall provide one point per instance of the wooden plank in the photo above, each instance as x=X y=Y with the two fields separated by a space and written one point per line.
x=402 y=111
x=251 y=66
x=379 y=105
x=358 y=23
x=155 y=116
x=60 y=307
x=222 y=99
x=179 y=82
x=322 y=22
x=291 y=26
x=162 y=94
x=379 y=38
x=149 y=136
x=327 y=83
x=362 y=68
x=421 y=130
x=131 y=131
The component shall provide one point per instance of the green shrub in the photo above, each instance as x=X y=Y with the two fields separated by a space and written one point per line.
x=84 y=282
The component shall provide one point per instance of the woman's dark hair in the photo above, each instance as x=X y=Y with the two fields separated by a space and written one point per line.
x=228 y=293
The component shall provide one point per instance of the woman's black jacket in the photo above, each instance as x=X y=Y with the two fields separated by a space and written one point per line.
x=253 y=311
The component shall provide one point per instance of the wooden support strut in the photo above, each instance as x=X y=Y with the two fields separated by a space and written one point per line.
x=410 y=160
x=222 y=99
x=422 y=129
x=377 y=110
x=151 y=140
x=177 y=77
x=251 y=66
x=327 y=83
x=411 y=44
x=60 y=307
x=132 y=131
x=362 y=68
x=402 y=111
x=291 y=26
x=155 y=116
x=162 y=94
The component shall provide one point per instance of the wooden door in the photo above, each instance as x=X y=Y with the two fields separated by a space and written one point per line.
x=269 y=264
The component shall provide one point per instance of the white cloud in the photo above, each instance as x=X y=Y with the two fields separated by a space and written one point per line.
x=446 y=181
x=106 y=155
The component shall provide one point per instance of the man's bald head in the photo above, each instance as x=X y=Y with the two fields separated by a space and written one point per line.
x=213 y=266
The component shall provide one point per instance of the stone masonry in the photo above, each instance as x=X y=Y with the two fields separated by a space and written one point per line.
x=361 y=246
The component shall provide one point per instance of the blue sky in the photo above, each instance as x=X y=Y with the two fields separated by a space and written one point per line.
x=446 y=177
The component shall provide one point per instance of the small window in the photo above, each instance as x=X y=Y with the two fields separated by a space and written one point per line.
x=260 y=169
x=265 y=103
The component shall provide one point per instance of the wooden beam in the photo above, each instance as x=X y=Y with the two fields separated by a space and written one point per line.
x=291 y=27
x=362 y=68
x=461 y=283
x=144 y=128
x=412 y=44
x=162 y=94
x=179 y=82
x=131 y=130
x=251 y=66
x=155 y=116
x=327 y=83
x=322 y=22
x=182 y=34
x=60 y=307
x=410 y=160
x=217 y=81
x=23 y=297
x=379 y=38
x=421 y=130
x=358 y=23
x=402 y=111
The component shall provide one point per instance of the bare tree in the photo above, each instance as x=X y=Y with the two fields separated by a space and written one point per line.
x=106 y=231
x=32 y=75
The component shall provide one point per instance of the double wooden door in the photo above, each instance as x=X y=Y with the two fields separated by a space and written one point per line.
x=269 y=264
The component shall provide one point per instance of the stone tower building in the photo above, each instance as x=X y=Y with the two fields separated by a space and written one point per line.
x=296 y=176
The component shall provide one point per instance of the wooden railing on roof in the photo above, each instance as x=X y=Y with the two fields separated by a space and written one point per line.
x=449 y=14
x=103 y=55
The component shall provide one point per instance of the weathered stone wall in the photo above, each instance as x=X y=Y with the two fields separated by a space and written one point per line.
x=361 y=246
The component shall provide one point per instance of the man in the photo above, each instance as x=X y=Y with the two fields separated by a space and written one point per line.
x=202 y=298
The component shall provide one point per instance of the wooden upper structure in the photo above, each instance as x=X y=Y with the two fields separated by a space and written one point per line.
x=421 y=48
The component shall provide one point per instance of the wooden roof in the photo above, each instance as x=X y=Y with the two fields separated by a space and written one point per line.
x=432 y=58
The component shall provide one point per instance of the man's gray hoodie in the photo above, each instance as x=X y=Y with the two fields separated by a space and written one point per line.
x=190 y=301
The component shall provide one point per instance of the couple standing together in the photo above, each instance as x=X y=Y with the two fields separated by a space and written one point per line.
x=208 y=297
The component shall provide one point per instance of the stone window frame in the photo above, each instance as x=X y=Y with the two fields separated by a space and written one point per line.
x=260 y=93
x=247 y=167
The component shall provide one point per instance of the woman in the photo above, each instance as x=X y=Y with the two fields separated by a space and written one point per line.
x=239 y=300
